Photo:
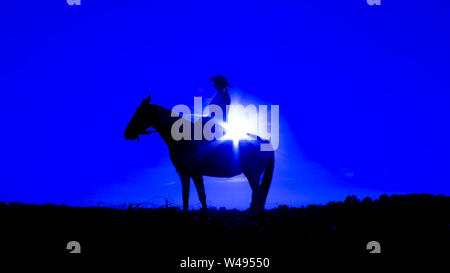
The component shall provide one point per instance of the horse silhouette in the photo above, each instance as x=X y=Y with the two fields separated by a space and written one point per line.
x=198 y=158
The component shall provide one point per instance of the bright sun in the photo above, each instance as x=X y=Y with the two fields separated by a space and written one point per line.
x=237 y=127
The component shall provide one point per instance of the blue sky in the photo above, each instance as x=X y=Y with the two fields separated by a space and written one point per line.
x=363 y=94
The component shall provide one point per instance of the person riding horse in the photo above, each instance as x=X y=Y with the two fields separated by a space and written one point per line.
x=222 y=98
x=217 y=158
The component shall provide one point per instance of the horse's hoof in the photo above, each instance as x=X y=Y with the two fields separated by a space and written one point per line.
x=256 y=210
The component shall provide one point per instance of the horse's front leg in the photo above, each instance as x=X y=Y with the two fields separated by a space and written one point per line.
x=185 y=181
x=198 y=181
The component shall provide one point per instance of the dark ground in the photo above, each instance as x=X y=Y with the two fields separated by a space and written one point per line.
x=403 y=225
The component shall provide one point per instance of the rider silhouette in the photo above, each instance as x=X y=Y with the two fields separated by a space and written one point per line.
x=222 y=98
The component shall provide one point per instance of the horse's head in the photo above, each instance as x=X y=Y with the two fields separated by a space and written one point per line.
x=140 y=122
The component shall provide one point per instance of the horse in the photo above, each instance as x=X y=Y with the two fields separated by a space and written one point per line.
x=197 y=158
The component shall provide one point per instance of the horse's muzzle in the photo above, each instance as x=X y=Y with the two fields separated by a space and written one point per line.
x=130 y=136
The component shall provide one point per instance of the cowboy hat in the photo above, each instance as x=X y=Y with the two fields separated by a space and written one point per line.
x=220 y=80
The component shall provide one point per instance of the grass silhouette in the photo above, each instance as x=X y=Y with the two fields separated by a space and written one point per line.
x=403 y=224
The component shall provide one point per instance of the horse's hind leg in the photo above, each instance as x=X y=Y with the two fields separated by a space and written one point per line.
x=257 y=193
x=185 y=181
x=267 y=177
x=198 y=181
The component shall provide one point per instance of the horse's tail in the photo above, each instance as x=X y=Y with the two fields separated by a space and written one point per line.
x=267 y=177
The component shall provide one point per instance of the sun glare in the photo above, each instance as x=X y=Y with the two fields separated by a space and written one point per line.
x=237 y=127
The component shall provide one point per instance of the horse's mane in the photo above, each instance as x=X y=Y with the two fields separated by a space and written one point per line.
x=165 y=116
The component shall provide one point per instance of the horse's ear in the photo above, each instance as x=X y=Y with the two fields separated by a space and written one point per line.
x=149 y=98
